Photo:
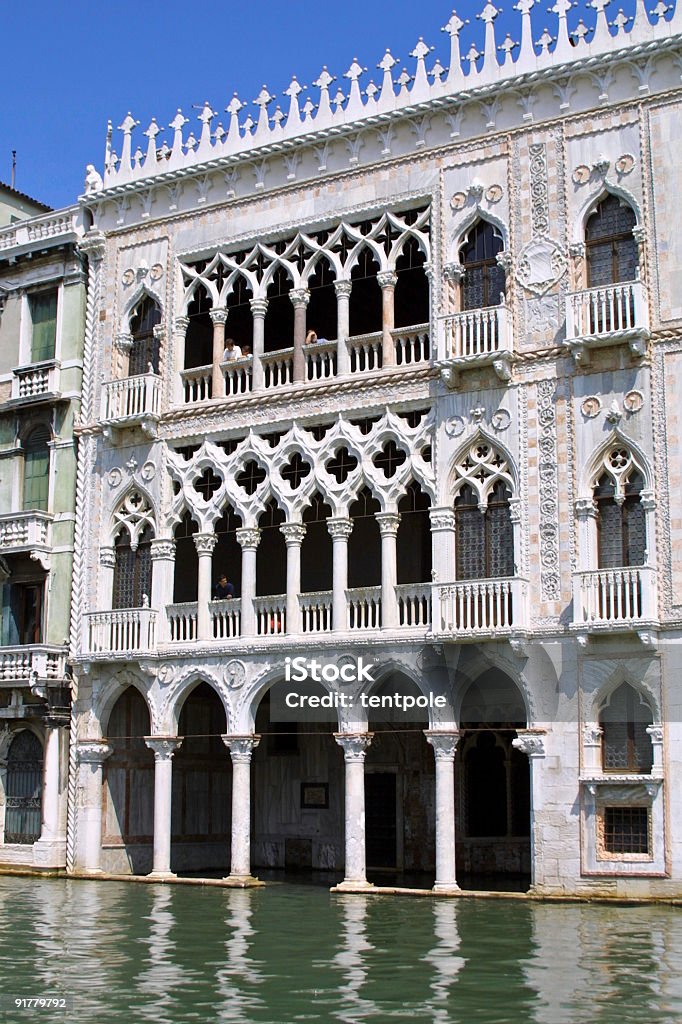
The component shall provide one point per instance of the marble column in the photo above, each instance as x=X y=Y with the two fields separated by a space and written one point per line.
x=241 y=749
x=343 y=290
x=91 y=757
x=107 y=561
x=219 y=319
x=354 y=749
x=443 y=543
x=163 y=747
x=179 y=341
x=293 y=535
x=249 y=538
x=444 y=747
x=532 y=744
x=259 y=308
x=204 y=543
x=163 y=574
x=388 y=527
x=53 y=818
x=340 y=530
x=387 y=280
x=300 y=297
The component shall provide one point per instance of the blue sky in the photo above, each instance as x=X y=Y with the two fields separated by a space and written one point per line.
x=68 y=67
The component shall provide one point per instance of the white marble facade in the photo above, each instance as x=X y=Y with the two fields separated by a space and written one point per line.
x=543 y=393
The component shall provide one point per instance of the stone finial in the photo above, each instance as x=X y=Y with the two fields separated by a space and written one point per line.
x=262 y=100
x=620 y=21
x=507 y=46
x=233 y=108
x=323 y=82
x=437 y=72
x=293 y=92
x=386 y=64
x=527 y=53
x=453 y=28
x=355 y=99
x=126 y=127
x=544 y=42
x=563 y=44
x=403 y=80
x=151 y=134
x=177 y=124
x=206 y=116
x=488 y=15
x=472 y=56
x=421 y=82
x=660 y=10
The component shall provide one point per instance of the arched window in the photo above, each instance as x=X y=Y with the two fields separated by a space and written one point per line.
x=24 y=787
x=199 y=337
x=132 y=570
x=626 y=745
x=484 y=280
x=37 y=469
x=484 y=540
x=144 y=354
x=611 y=249
x=621 y=522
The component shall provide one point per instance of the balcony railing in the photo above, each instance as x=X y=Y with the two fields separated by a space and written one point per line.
x=475 y=608
x=620 y=597
x=120 y=631
x=59 y=227
x=25 y=531
x=271 y=615
x=364 y=352
x=316 y=612
x=227 y=618
x=35 y=381
x=364 y=608
x=414 y=604
x=237 y=374
x=320 y=360
x=604 y=315
x=477 y=337
x=182 y=622
x=132 y=399
x=412 y=346
x=197 y=384
x=278 y=368
x=22 y=663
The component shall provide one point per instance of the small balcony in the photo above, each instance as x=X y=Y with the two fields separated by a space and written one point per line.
x=36 y=383
x=607 y=315
x=480 y=609
x=29 y=663
x=132 y=401
x=27 y=533
x=120 y=631
x=619 y=599
x=477 y=337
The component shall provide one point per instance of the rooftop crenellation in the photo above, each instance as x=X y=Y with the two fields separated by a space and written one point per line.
x=538 y=52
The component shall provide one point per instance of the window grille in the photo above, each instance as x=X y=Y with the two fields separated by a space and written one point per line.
x=484 y=280
x=626 y=830
x=145 y=349
x=621 y=517
x=132 y=570
x=24 y=787
x=626 y=745
x=611 y=247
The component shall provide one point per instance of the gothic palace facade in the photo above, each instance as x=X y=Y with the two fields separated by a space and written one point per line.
x=470 y=476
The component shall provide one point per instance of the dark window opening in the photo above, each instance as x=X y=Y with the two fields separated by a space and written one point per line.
x=611 y=249
x=621 y=525
x=207 y=484
x=271 y=556
x=316 y=550
x=199 y=336
x=412 y=297
x=413 y=543
x=322 y=307
x=227 y=554
x=23 y=796
x=186 y=574
x=626 y=745
x=389 y=459
x=483 y=283
x=364 y=543
x=279 y=319
x=365 y=312
x=341 y=465
x=251 y=477
x=626 y=830
x=239 y=324
x=145 y=351
x=295 y=471
x=132 y=570
x=484 y=540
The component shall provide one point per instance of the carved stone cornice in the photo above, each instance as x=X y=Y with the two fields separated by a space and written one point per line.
x=340 y=528
x=354 y=745
x=163 y=746
x=93 y=751
x=293 y=533
x=444 y=743
x=205 y=543
x=241 y=747
x=248 y=536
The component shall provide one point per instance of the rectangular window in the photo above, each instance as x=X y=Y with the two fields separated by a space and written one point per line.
x=43 y=307
x=626 y=830
x=22 y=613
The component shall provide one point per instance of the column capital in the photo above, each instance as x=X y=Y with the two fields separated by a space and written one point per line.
x=387 y=279
x=299 y=297
x=163 y=746
x=340 y=527
x=248 y=536
x=241 y=747
x=444 y=743
x=586 y=508
x=388 y=523
x=218 y=316
x=515 y=510
x=454 y=271
x=293 y=533
x=592 y=734
x=123 y=341
x=354 y=744
x=442 y=518
x=162 y=549
x=343 y=287
x=93 y=751
x=259 y=307
x=181 y=324
x=205 y=543
x=107 y=556
x=530 y=743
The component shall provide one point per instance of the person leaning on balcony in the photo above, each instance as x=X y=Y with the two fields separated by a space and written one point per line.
x=246 y=352
x=223 y=589
x=232 y=351
x=311 y=338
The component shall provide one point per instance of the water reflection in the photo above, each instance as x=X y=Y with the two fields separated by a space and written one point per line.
x=129 y=953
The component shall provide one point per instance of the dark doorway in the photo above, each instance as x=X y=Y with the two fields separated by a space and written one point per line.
x=380 y=816
x=24 y=785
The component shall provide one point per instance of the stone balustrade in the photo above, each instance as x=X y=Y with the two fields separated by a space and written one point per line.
x=619 y=597
x=476 y=608
x=25 y=531
x=132 y=399
x=36 y=380
x=606 y=315
x=120 y=631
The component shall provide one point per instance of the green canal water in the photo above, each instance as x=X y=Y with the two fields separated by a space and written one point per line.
x=135 y=953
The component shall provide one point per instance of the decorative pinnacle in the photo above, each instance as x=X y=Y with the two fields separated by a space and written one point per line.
x=404 y=79
x=421 y=50
x=599 y=5
x=128 y=124
x=621 y=20
x=263 y=97
x=489 y=13
x=234 y=106
x=472 y=56
x=354 y=71
x=525 y=6
x=561 y=8
x=581 y=30
x=437 y=71
x=455 y=25
x=660 y=10
x=387 y=62
x=325 y=79
x=508 y=45
x=178 y=121
x=153 y=129
x=207 y=114
x=544 y=42
x=371 y=91
x=295 y=88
